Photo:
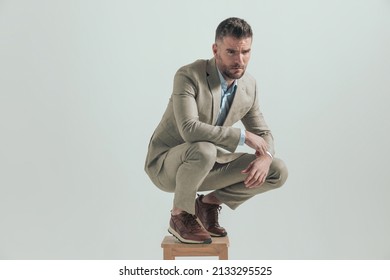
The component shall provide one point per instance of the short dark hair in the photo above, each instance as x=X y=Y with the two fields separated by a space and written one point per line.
x=235 y=27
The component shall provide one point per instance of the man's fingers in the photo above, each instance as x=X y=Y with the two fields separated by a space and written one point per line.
x=246 y=170
x=261 y=150
x=256 y=173
x=256 y=180
x=264 y=149
x=251 y=178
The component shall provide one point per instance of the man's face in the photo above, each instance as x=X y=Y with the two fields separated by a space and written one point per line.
x=232 y=56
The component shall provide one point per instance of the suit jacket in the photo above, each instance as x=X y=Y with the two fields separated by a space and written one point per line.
x=192 y=112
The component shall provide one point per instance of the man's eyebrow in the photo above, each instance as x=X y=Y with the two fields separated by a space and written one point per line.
x=234 y=50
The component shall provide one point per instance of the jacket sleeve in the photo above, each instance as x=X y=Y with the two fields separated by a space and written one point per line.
x=254 y=122
x=185 y=90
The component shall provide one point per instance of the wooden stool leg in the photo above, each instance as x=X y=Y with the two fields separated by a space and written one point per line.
x=168 y=254
x=223 y=255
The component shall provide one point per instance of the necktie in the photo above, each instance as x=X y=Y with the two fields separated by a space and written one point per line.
x=225 y=105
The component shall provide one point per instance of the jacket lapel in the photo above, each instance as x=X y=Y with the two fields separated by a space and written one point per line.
x=215 y=88
x=236 y=106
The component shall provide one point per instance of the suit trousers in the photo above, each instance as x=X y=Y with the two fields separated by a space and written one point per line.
x=192 y=167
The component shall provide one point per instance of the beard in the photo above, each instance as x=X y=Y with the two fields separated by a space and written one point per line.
x=233 y=72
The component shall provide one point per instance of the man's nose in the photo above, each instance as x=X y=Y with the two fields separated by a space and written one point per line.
x=239 y=59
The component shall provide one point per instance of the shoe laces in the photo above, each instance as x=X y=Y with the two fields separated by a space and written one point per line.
x=190 y=222
x=212 y=213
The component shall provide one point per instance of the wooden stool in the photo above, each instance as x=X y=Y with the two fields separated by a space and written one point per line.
x=173 y=248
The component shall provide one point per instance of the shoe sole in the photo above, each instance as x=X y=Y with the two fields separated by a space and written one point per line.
x=187 y=241
x=217 y=235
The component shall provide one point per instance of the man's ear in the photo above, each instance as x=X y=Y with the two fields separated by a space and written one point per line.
x=215 y=49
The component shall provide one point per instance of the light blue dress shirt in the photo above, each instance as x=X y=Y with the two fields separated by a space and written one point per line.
x=227 y=96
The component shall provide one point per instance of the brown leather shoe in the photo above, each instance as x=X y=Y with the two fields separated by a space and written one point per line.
x=186 y=229
x=208 y=215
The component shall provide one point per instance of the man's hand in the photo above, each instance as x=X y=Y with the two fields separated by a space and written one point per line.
x=257 y=171
x=257 y=143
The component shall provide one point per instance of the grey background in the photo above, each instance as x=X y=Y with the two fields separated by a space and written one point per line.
x=84 y=83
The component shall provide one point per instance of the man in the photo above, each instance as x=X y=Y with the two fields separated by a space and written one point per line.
x=192 y=148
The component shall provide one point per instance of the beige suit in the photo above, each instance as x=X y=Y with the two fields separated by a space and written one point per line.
x=189 y=153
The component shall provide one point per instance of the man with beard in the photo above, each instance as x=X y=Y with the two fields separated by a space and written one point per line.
x=193 y=147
